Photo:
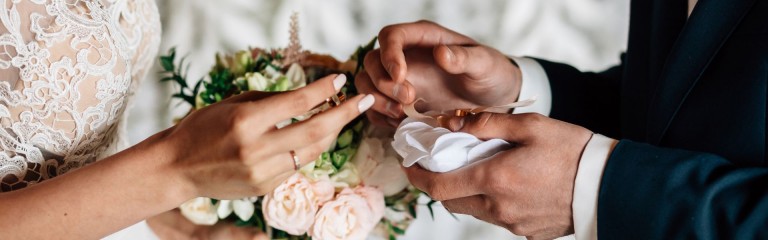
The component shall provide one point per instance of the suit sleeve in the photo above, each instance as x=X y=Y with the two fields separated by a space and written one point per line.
x=585 y=98
x=649 y=192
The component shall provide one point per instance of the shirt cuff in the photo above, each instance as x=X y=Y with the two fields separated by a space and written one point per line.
x=534 y=84
x=587 y=186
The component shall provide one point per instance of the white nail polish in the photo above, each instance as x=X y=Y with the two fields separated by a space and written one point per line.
x=365 y=103
x=339 y=81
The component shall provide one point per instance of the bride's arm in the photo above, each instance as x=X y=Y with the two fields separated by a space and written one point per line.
x=99 y=199
x=228 y=150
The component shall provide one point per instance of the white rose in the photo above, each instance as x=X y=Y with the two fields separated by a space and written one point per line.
x=200 y=211
x=352 y=215
x=378 y=166
x=243 y=208
x=291 y=207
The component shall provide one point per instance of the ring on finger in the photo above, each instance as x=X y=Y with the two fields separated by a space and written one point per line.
x=296 y=162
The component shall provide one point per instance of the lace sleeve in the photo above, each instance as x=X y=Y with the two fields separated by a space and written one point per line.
x=67 y=70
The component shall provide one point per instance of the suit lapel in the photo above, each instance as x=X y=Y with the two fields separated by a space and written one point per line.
x=708 y=27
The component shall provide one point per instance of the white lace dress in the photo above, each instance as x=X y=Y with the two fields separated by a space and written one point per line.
x=68 y=69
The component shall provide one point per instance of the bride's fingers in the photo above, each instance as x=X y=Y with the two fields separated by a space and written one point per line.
x=294 y=103
x=327 y=123
x=283 y=163
x=249 y=96
x=383 y=104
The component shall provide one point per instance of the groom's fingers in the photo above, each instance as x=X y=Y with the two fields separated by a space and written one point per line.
x=472 y=61
x=394 y=39
x=459 y=183
x=384 y=104
x=401 y=91
x=516 y=128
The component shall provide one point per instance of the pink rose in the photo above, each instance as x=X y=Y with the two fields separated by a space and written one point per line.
x=291 y=207
x=352 y=215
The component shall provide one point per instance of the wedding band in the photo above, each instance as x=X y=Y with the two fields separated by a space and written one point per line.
x=296 y=162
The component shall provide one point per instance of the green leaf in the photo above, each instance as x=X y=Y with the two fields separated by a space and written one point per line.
x=398 y=230
x=340 y=157
x=345 y=138
x=412 y=210
x=429 y=206
x=358 y=127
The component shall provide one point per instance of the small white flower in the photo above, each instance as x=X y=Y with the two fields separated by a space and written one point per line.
x=296 y=76
x=243 y=208
x=199 y=211
x=257 y=82
x=347 y=177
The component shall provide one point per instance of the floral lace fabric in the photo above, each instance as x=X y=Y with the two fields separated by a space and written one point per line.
x=68 y=69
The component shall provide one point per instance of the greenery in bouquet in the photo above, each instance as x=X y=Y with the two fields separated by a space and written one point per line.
x=353 y=190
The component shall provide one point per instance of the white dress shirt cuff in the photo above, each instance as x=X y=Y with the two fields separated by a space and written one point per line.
x=534 y=84
x=587 y=186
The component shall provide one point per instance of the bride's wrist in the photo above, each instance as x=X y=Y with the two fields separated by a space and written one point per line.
x=173 y=183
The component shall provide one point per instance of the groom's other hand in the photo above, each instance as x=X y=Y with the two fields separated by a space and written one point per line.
x=527 y=189
x=446 y=69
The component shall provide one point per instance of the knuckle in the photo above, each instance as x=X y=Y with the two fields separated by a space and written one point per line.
x=243 y=154
x=533 y=119
x=239 y=119
x=372 y=58
x=300 y=100
x=315 y=131
x=387 y=31
x=257 y=178
x=436 y=191
x=518 y=229
x=424 y=21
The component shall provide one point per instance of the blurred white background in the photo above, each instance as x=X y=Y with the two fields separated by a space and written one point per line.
x=588 y=34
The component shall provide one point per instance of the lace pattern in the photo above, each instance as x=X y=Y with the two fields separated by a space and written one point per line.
x=67 y=71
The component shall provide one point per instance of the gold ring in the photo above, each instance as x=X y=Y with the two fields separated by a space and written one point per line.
x=296 y=162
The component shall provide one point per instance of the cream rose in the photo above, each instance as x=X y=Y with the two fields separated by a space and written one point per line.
x=352 y=215
x=291 y=207
x=378 y=166
x=200 y=211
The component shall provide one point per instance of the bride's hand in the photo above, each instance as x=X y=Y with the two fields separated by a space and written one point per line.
x=447 y=69
x=232 y=149
x=171 y=225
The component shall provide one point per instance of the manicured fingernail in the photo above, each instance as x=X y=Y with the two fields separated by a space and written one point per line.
x=400 y=92
x=450 y=54
x=391 y=109
x=339 y=81
x=456 y=123
x=365 y=103
x=396 y=90
x=392 y=69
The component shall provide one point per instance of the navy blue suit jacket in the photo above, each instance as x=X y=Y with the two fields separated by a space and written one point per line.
x=689 y=103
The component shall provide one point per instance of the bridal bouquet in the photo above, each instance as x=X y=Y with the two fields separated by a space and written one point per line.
x=353 y=190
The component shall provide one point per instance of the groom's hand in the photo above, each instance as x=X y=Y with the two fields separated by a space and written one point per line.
x=527 y=189
x=447 y=69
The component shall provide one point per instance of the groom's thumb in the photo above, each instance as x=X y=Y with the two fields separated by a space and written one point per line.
x=470 y=60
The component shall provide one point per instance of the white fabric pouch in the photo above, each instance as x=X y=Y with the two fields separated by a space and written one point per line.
x=437 y=149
